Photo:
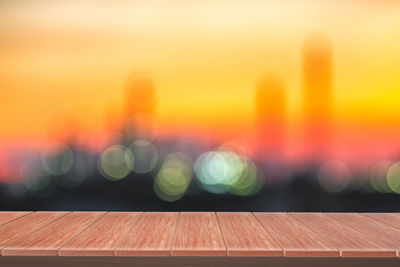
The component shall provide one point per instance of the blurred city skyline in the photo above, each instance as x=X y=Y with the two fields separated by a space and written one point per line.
x=205 y=63
x=200 y=96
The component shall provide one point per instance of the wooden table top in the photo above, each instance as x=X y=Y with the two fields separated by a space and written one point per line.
x=197 y=234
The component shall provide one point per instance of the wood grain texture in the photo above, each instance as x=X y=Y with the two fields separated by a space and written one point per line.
x=152 y=235
x=47 y=240
x=349 y=241
x=8 y=216
x=25 y=225
x=102 y=237
x=375 y=231
x=198 y=234
x=296 y=239
x=245 y=236
x=392 y=219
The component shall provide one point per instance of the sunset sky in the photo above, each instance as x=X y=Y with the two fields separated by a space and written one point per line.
x=206 y=58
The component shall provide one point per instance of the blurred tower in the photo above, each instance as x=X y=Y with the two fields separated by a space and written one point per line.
x=270 y=105
x=317 y=95
x=140 y=94
x=140 y=103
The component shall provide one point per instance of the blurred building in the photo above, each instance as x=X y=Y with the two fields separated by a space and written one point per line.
x=317 y=95
x=140 y=94
x=270 y=108
x=140 y=103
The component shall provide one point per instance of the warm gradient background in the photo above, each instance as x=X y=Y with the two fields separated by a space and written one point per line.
x=206 y=58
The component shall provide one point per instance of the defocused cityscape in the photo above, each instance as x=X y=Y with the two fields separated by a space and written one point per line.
x=138 y=163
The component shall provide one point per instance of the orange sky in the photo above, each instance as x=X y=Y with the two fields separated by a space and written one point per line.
x=206 y=57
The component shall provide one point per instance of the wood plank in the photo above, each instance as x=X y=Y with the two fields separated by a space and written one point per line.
x=47 y=240
x=152 y=235
x=295 y=238
x=350 y=242
x=375 y=230
x=245 y=236
x=198 y=234
x=392 y=219
x=8 y=216
x=102 y=237
x=25 y=225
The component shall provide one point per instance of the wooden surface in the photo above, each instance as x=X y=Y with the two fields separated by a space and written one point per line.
x=392 y=219
x=152 y=235
x=8 y=216
x=375 y=230
x=102 y=237
x=48 y=240
x=351 y=242
x=25 y=225
x=198 y=235
x=296 y=239
x=244 y=236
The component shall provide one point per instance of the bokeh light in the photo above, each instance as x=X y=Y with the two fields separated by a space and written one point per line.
x=174 y=177
x=248 y=183
x=83 y=167
x=37 y=180
x=145 y=154
x=218 y=170
x=116 y=162
x=377 y=176
x=334 y=176
x=57 y=158
x=393 y=177
x=360 y=180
